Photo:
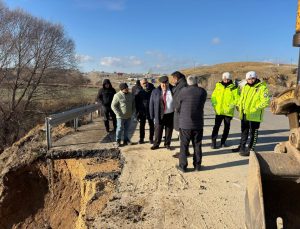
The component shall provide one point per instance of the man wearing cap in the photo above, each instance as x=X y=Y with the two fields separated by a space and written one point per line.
x=224 y=99
x=123 y=105
x=190 y=106
x=142 y=100
x=253 y=100
x=161 y=112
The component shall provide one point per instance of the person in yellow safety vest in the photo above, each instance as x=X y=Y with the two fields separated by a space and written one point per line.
x=253 y=100
x=224 y=99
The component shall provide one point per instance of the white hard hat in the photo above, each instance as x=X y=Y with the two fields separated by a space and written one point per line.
x=251 y=74
x=226 y=75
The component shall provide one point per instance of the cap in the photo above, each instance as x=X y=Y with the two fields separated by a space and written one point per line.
x=163 y=79
x=226 y=75
x=251 y=74
x=123 y=86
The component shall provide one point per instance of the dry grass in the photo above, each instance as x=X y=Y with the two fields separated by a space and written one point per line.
x=278 y=77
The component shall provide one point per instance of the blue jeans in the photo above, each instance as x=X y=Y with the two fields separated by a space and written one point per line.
x=123 y=125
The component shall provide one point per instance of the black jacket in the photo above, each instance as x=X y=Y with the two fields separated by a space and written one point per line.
x=142 y=100
x=106 y=95
x=136 y=89
x=180 y=84
x=190 y=106
x=156 y=105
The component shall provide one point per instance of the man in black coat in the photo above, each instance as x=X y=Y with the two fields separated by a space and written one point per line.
x=142 y=100
x=190 y=106
x=136 y=88
x=105 y=97
x=161 y=109
x=179 y=83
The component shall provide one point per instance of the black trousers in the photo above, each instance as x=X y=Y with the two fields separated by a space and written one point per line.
x=109 y=112
x=142 y=127
x=185 y=137
x=218 y=122
x=252 y=127
x=167 y=124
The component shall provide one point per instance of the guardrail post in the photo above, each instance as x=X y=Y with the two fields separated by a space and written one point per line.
x=76 y=124
x=48 y=133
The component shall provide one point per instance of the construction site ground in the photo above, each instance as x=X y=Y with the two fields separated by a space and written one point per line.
x=152 y=193
x=141 y=188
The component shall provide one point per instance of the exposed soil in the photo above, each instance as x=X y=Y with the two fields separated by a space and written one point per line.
x=67 y=192
x=87 y=189
x=73 y=201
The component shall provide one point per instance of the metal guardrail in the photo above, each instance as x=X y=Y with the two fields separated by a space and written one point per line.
x=65 y=116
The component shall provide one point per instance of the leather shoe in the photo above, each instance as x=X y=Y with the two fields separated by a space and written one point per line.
x=168 y=147
x=222 y=145
x=141 y=141
x=125 y=143
x=176 y=155
x=244 y=153
x=184 y=170
x=197 y=168
x=235 y=150
x=154 y=147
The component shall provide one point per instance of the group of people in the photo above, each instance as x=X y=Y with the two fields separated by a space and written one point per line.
x=181 y=107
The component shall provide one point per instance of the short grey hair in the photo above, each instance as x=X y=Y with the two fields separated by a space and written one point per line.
x=192 y=80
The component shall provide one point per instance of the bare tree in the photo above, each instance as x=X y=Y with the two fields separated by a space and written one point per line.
x=29 y=47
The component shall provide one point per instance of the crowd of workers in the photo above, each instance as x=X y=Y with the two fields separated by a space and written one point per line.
x=181 y=107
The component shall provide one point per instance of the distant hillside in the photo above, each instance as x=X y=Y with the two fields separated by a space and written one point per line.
x=277 y=76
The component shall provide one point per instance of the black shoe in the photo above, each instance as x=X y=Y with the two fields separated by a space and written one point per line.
x=154 y=147
x=184 y=170
x=244 y=153
x=168 y=147
x=235 y=150
x=141 y=141
x=127 y=143
x=213 y=144
x=151 y=141
x=224 y=145
x=197 y=168
x=176 y=155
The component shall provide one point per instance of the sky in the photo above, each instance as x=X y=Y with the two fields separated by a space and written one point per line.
x=162 y=36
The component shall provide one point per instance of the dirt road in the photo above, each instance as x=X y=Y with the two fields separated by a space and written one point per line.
x=153 y=194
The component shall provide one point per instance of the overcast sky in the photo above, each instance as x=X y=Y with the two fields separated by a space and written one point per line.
x=166 y=35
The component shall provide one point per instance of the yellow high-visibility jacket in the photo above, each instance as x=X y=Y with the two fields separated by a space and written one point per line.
x=253 y=100
x=224 y=99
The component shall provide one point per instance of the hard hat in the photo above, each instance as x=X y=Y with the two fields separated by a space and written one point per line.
x=226 y=75
x=251 y=74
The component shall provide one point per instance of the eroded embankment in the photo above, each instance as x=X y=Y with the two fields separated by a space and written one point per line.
x=57 y=190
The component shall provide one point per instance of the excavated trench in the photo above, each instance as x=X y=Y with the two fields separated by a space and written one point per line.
x=67 y=191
